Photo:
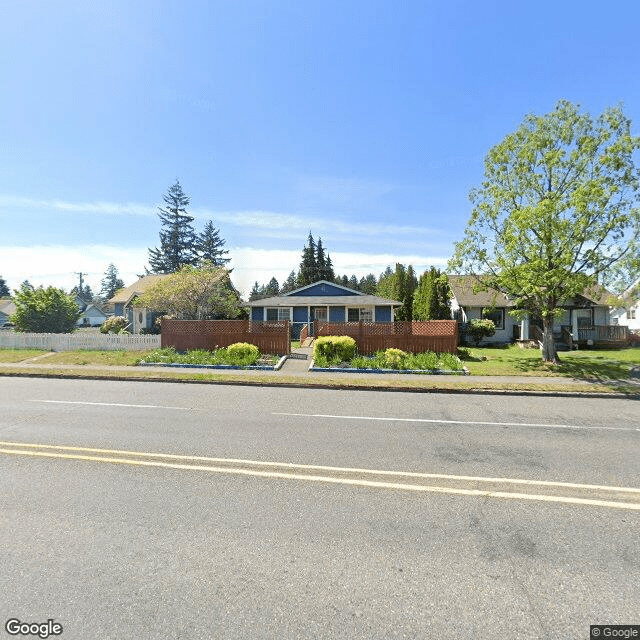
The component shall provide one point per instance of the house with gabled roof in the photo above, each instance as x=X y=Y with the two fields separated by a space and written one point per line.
x=584 y=319
x=628 y=314
x=322 y=301
x=122 y=303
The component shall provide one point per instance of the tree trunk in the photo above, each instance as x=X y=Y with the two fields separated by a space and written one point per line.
x=549 y=353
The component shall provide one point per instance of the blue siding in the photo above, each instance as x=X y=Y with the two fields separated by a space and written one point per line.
x=324 y=290
x=257 y=314
x=383 y=314
x=300 y=317
x=337 y=314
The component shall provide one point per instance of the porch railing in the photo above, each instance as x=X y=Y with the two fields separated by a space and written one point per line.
x=604 y=333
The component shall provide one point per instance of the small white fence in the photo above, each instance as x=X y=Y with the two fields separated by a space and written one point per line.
x=74 y=341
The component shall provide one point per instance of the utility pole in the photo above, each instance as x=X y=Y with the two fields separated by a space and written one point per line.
x=79 y=273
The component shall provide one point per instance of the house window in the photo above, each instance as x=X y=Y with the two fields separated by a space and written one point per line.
x=585 y=317
x=496 y=315
x=355 y=314
x=278 y=313
x=631 y=314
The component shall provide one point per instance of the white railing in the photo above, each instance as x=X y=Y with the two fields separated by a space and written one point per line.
x=75 y=341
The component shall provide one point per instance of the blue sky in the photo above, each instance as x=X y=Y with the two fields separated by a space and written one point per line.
x=364 y=122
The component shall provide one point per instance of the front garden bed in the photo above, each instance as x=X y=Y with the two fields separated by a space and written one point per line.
x=338 y=355
x=237 y=356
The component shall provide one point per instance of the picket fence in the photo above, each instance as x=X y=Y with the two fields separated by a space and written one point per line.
x=75 y=341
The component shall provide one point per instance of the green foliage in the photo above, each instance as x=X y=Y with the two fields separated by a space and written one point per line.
x=399 y=285
x=243 y=350
x=478 y=330
x=211 y=246
x=557 y=211
x=111 y=283
x=334 y=348
x=178 y=243
x=242 y=357
x=48 y=310
x=432 y=298
x=4 y=289
x=193 y=293
x=114 y=324
x=395 y=358
x=398 y=360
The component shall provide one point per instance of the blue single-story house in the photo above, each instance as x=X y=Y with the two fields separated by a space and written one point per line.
x=322 y=301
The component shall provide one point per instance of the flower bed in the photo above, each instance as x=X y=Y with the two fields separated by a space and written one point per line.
x=238 y=356
x=393 y=361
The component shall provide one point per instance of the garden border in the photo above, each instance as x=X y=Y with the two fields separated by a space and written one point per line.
x=186 y=365
x=431 y=372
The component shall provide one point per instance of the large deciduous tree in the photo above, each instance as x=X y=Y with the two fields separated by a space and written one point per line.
x=556 y=213
x=193 y=293
x=178 y=243
x=48 y=310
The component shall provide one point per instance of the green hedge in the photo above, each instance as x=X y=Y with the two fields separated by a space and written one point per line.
x=334 y=349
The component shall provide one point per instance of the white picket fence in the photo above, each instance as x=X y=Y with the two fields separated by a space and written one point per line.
x=74 y=341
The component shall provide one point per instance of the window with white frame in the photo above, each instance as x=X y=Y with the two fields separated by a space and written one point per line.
x=355 y=314
x=274 y=314
x=631 y=314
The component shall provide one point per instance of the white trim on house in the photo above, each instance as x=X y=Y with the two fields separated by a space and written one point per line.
x=365 y=308
x=333 y=284
x=278 y=311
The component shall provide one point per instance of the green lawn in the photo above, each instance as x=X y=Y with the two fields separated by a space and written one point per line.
x=17 y=355
x=610 y=364
x=128 y=358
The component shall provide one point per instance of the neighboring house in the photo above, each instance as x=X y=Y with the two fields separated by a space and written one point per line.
x=7 y=309
x=92 y=316
x=320 y=302
x=585 y=318
x=122 y=303
x=629 y=313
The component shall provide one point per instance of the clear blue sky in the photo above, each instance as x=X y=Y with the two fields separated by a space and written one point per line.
x=364 y=122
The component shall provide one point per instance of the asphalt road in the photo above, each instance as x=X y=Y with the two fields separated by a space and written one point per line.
x=272 y=513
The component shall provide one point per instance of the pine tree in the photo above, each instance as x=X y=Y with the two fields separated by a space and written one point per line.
x=289 y=284
x=257 y=292
x=308 y=267
x=329 y=273
x=353 y=283
x=4 y=289
x=368 y=284
x=431 y=300
x=272 y=289
x=110 y=283
x=177 y=238
x=211 y=245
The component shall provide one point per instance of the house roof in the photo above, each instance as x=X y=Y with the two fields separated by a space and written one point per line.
x=137 y=288
x=360 y=300
x=7 y=306
x=462 y=289
x=317 y=282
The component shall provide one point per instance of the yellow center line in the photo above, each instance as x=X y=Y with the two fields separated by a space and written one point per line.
x=292 y=465
x=329 y=479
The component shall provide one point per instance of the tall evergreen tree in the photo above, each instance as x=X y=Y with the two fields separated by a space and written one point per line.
x=110 y=283
x=4 y=289
x=329 y=273
x=177 y=237
x=368 y=284
x=289 y=284
x=431 y=300
x=210 y=246
x=308 y=267
x=272 y=289
x=257 y=292
x=321 y=261
x=353 y=282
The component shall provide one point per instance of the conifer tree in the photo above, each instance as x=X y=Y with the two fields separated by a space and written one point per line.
x=257 y=292
x=210 y=246
x=4 y=289
x=289 y=284
x=272 y=289
x=110 y=283
x=431 y=300
x=177 y=237
x=308 y=267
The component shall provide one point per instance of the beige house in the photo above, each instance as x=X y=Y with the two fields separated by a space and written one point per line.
x=122 y=303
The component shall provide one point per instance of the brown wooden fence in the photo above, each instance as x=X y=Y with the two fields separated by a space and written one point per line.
x=415 y=337
x=269 y=337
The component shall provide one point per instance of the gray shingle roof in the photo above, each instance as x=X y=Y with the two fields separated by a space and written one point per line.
x=319 y=301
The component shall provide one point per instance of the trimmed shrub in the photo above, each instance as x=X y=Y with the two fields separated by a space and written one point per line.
x=243 y=351
x=480 y=329
x=334 y=349
x=395 y=358
x=115 y=324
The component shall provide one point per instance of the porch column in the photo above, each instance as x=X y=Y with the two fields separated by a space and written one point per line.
x=524 y=328
x=574 y=324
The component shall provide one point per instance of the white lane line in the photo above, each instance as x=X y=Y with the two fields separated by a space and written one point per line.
x=471 y=422
x=113 y=404
x=343 y=481
x=316 y=467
